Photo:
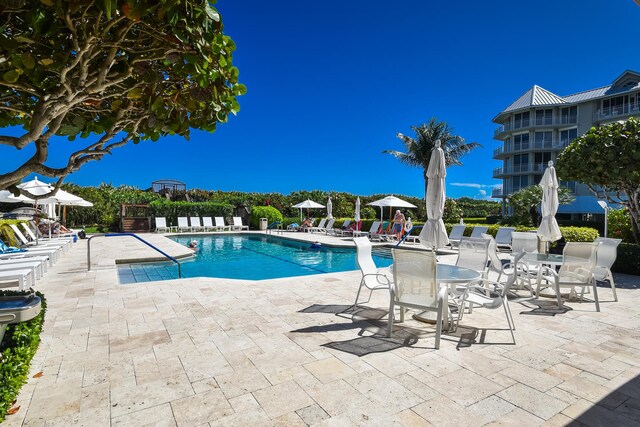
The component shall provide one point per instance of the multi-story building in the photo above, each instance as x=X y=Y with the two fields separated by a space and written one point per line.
x=539 y=125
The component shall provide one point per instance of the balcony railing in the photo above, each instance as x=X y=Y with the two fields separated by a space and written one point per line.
x=555 y=144
x=497 y=192
x=498 y=151
x=555 y=121
x=518 y=169
x=617 y=111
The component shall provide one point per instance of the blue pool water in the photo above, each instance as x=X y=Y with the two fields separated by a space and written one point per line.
x=250 y=257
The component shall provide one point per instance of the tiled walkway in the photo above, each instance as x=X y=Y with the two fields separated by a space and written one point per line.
x=288 y=352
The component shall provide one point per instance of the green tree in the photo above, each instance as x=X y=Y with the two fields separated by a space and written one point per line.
x=525 y=203
x=109 y=71
x=418 y=149
x=607 y=159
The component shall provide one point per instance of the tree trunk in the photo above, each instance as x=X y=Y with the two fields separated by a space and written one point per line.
x=634 y=212
x=535 y=217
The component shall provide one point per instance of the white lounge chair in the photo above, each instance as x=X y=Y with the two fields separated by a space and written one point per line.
x=503 y=238
x=456 y=234
x=195 y=224
x=220 y=225
x=62 y=245
x=23 y=277
x=39 y=263
x=237 y=224
x=372 y=277
x=320 y=227
x=415 y=286
x=32 y=236
x=606 y=256
x=161 y=225
x=183 y=224
x=53 y=249
x=207 y=223
x=373 y=229
x=478 y=231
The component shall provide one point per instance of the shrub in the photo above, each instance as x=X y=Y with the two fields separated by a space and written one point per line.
x=6 y=233
x=272 y=214
x=628 y=259
x=18 y=347
x=579 y=234
x=620 y=225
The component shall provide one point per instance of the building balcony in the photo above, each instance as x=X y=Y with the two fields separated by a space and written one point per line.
x=612 y=113
x=520 y=169
x=497 y=193
x=535 y=123
x=552 y=145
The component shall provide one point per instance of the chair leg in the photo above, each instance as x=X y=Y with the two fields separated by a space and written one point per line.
x=508 y=309
x=391 y=316
x=557 y=294
x=613 y=284
x=439 y=326
x=511 y=326
x=355 y=304
x=595 y=294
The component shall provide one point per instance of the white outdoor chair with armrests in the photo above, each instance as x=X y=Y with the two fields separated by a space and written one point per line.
x=474 y=254
x=606 y=256
x=415 y=286
x=528 y=242
x=577 y=270
x=496 y=265
x=492 y=294
x=373 y=278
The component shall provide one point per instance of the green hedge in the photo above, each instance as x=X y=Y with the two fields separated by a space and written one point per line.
x=6 y=233
x=628 y=260
x=172 y=210
x=18 y=347
x=272 y=214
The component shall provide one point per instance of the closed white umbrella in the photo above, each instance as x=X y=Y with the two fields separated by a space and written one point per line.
x=356 y=216
x=391 y=202
x=549 y=230
x=434 y=233
x=329 y=209
x=308 y=204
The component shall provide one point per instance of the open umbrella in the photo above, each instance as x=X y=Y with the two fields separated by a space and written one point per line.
x=308 y=204
x=434 y=234
x=391 y=201
x=549 y=230
x=356 y=216
x=329 y=209
x=8 y=197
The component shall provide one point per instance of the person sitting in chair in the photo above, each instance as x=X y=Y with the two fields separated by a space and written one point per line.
x=306 y=224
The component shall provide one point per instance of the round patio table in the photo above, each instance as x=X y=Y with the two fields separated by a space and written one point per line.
x=448 y=274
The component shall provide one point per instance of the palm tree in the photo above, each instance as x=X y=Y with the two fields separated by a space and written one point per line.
x=419 y=149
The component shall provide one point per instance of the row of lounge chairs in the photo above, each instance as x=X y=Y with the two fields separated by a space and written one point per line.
x=193 y=224
x=22 y=266
x=503 y=236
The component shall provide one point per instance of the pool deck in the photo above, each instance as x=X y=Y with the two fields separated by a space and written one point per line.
x=209 y=352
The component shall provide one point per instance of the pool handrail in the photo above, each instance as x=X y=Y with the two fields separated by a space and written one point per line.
x=415 y=227
x=132 y=235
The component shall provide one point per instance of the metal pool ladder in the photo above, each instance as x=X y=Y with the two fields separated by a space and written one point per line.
x=132 y=235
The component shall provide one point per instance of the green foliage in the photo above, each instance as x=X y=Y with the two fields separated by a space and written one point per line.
x=579 y=234
x=18 y=347
x=368 y=212
x=452 y=212
x=272 y=214
x=628 y=259
x=608 y=157
x=136 y=70
x=478 y=208
x=620 y=225
x=172 y=210
x=6 y=233
x=526 y=201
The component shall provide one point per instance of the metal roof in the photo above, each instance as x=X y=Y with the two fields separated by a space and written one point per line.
x=535 y=96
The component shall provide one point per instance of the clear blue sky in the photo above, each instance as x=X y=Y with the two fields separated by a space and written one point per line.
x=331 y=83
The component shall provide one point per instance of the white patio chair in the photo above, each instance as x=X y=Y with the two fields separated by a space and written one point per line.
x=577 y=270
x=492 y=294
x=207 y=223
x=415 y=286
x=62 y=245
x=183 y=224
x=320 y=227
x=605 y=258
x=503 y=238
x=522 y=241
x=195 y=224
x=373 y=229
x=478 y=231
x=237 y=224
x=496 y=265
x=474 y=254
x=220 y=225
x=32 y=236
x=330 y=229
x=372 y=277
x=456 y=234
x=161 y=225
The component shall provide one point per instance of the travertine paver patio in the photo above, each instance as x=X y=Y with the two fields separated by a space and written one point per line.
x=285 y=352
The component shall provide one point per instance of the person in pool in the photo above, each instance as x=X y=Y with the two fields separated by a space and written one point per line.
x=193 y=245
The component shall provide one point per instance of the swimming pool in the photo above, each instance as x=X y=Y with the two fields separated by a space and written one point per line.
x=250 y=257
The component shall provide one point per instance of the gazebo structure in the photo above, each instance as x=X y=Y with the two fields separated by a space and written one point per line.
x=170 y=188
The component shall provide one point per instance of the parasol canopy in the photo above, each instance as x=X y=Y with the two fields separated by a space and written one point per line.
x=391 y=202
x=308 y=204
x=434 y=233
x=549 y=230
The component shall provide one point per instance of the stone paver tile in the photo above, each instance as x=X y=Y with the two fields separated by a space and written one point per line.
x=329 y=369
x=435 y=364
x=127 y=399
x=242 y=381
x=243 y=419
x=517 y=418
x=491 y=409
x=536 y=357
x=341 y=398
x=389 y=363
x=531 y=400
x=160 y=416
x=245 y=403
x=409 y=418
x=55 y=400
x=291 y=419
x=387 y=392
x=589 y=414
x=531 y=377
x=201 y=408
x=562 y=371
x=201 y=366
x=312 y=414
x=282 y=398
x=418 y=382
x=442 y=411
x=465 y=387
x=584 y=388
x=558 y=420
x=133 y=342
x=630 y=408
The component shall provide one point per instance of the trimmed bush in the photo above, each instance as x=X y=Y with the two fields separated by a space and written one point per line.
x=18 y=347
x=628 y=259
x=272 y=214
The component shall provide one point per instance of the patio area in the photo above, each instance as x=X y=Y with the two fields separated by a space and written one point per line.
x=205 y=351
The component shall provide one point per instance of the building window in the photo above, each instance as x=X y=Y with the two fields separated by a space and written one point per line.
x=542 y=158
x=569 y=115
x=521 y=142
x=613 y=106
x=544 y=117
x=520 y=163
x=520 y=182
x=543 y=139
x=566 y=136
x=521 y=120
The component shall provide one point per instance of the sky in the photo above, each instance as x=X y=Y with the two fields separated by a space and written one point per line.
x=330 y=84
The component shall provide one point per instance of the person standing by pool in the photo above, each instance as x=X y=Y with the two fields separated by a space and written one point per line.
x=398 y=224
